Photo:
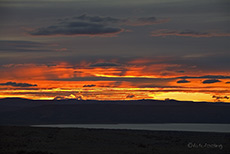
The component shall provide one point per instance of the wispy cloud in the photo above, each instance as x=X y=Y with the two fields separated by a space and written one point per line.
x=187 y=33
x=24 y=46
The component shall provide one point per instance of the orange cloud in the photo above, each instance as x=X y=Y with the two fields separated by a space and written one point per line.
x=103 y=80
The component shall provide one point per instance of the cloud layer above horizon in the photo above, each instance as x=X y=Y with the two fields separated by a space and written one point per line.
x=164 y=48
x=85 y=25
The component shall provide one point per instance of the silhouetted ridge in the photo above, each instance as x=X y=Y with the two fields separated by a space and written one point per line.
x=28 y=112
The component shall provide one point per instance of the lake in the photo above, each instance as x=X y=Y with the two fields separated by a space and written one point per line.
x=156 y=127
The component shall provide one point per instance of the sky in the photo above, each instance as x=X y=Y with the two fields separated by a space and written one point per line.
x=115 y=50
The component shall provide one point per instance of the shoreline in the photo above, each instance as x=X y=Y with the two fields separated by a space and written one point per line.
x=190 y=127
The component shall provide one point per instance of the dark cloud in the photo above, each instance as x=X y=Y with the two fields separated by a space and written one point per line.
x=216 y=76
x=183 y=81
x=187 y=33
x=205 y=77
x=81 y=25
x=14 y=84
x=210 y=81
x=228 y=82
x=93 y=25
x=90 y=85
x=104 y=65
x=219 y=98
x=130 y=96
x=76 y=28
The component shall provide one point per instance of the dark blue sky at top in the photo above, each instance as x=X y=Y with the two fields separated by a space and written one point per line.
x=188 y=31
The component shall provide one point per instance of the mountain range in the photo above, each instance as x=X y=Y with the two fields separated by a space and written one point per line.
x=18 y=111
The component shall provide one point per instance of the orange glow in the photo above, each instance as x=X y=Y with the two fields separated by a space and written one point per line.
x=138 y=79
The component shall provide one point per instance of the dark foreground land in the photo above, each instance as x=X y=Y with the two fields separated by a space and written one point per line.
x=29 y=140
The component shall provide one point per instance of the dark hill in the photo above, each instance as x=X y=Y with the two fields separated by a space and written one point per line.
x=28 y=112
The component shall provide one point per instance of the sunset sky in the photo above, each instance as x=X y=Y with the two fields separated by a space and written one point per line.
x=115 y=50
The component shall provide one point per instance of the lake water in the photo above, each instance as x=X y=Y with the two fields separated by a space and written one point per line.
x=157 y=127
